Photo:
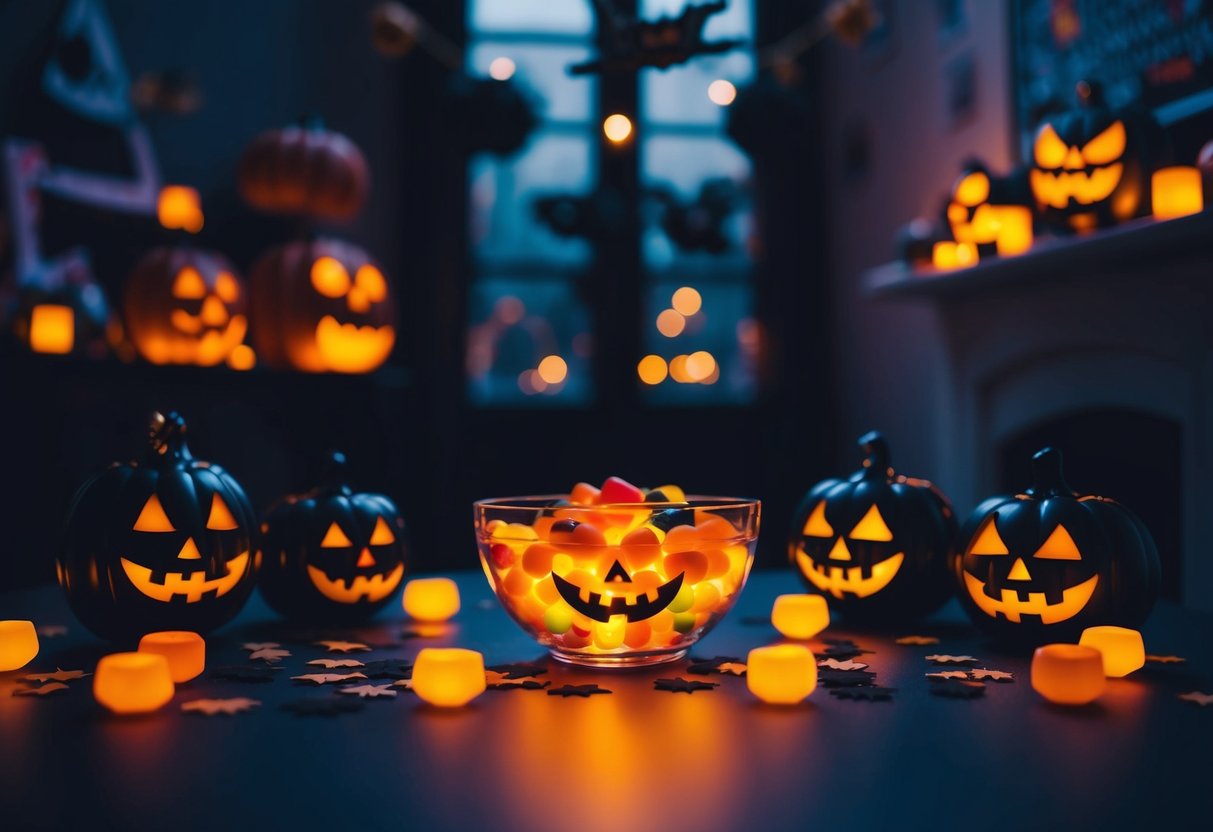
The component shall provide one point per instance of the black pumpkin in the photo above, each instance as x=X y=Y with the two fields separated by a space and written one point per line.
x=976 y=196
x=1044 y=565
x=162 y=544
x=331 y=555
x=877 y=543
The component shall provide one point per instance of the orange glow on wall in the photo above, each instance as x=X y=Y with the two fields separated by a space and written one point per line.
x=783 y=674
x=179 y=207
x=449 y=677
x=18 y=644
x=950 y=255
x=1176 y=192
x=1068 y=674
x=184 y=651
x=52 y=328
x=1014 y=229
x=431 y=600
x=687 y=301
x=617 y=128
x=1122 y=649
x=800 y=616
x=133 y=683
x=652 y=369
x=671 y=323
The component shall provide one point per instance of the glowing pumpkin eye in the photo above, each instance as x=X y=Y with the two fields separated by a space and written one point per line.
x=872 y=527
x=1049 y=149
x=188 y=285
x=1107 y=147
x=973 y=189
x=989 y=541
x=382 y=535
x=226 y=288
x=330 y=278
x=816 y=525
x=220 y=518
x=334 y=538
x=370 y=280
x=1059 y=546
x=152 y=518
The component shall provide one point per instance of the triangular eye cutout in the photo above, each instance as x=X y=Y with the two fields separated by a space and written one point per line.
x=872 y=527
x=334 y=538
x=618 y=573
x=152 y=518
x=1059 y=546
x=382 y=534
x=988 y=541
x=188 y=284
x=816 y=525
x=221 y=518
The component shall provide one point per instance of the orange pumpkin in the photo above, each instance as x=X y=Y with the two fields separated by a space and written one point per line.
x=304 y=169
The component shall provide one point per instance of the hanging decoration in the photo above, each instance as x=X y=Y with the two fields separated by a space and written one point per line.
x=631 y=44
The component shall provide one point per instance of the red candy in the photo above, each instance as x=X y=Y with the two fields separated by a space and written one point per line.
x=615 y=490
x=502 y=555
x=584 y=494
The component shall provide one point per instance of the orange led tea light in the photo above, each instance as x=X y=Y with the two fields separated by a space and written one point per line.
x=800 y=616
x=1176 y=192
x=1068 y=674
x=781 y=675
x=431 y=600
x=449 y=677
x=18 y=644
x=1122 y=649
x=185 y=652
x=133 y=683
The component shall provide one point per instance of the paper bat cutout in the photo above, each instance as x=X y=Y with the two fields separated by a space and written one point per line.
x=369 y=691
x=522 y=684
x=732 y=668
x=1165 y=659
x=49 y=687
x=388 y=669
x=917 y=640
x=584 y=691
x=51 y=630
x=948 y=674
x=943 y=658
x=834 y=664
x=1197 y=698
x=407 y=684
x=630 y=43
x=830 y=678
x=332 y=663
x=245 y=673
x=254 y=646
x=985 y=673
x=706 y=667
x=330 y=706
x=680 y=685
x=219 y=707
x=869 y=693
x=842 y=649
x=269 y=654
x=335 y=646
x=958 y=689
x=327 y=678
x=518 y=670
x=59 y=675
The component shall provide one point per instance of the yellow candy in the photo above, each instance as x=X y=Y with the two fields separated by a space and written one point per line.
x=558 y=619
x=514 y=531
x=672 y=493
x=707 y=597
x=610 y=635
x=683 y=600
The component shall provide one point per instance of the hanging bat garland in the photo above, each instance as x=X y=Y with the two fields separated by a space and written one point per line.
x=630 y=44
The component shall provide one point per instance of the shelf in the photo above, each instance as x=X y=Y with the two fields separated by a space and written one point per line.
x=1143 y=241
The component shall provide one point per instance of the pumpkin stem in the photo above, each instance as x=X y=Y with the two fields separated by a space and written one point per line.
x=334 y=474
x=1047 y=475
x=875 y=455
x=167 y=437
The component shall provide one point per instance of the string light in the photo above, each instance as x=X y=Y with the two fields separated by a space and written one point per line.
x=722 y=92
x=617 y=127
x=671 y=323
x=652 y=369
x=553 y=369
x=502 y=69
x=687 y=301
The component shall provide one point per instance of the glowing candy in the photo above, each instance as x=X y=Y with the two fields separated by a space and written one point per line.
x=433 y=600
x=1068 y=674
x=781 y=675
x=448 y=677
x=800 y=616
x=1122 y=649
x=18 y=644
x=184 y=651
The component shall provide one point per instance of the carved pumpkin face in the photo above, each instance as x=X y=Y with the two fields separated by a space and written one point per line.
x=877 y=543
x=332 y=554
x=185 y=306
x=1044 y=565
x=162 y=545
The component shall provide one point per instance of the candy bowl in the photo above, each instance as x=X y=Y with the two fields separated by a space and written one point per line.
x=617 y=584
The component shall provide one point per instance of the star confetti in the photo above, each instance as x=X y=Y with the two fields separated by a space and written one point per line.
x=369 y=691
x=330 y=664
x=219 y=707
x=985 y=673
x=58 y=676
x=254 y=646
x=336 y=646
x=849 y=664
x=680 y=685
x=584 y=691
x=52 y=630
x=706 y=667
x=732 y=668
x=1197 y=698
x=49 y=687
x=944 y=658
x=917 y=640
x=327 y=678
x=518 y=670
x=959 y=689
x=330 y=706
x=245 y=673
x=947 y=674
x=829 y=678
x=387 y=669
x=272 y=655
x=1165 y=659
x=869 y=693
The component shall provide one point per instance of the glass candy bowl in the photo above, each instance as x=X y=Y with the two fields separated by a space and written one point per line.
x=617 y=585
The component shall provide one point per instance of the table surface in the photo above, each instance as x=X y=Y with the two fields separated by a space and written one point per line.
x=635 y=760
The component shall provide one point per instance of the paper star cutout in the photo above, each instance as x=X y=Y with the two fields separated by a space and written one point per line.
x=958 y=689
x=829 y=678
x=388 y=669
x=245 y=673
x=369 y=691
x=49 y=687
x=991 y=675
x=948 y=674
x=834 y=664
x=254 y=646
x=1197 y=698
x=870 y=693
x=917 y=640
x=330 y=706
x=944 y=658
x=1165 y=659
x=332 y=663
x=518 y=670
x=680 y=685
x=51 y=630
x=336 y=646
x=58 y=676
x=219 y=707
x=327 y=678
x=269 y=654
x=584 y=691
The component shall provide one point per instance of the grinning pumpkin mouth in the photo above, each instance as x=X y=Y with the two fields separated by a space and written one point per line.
x=837 y=580
x=165 y=586
x=206 y=349
x=1085 y=187
x=1013 y=607
x=351 y=348
x=369 y=588
x=635 y=607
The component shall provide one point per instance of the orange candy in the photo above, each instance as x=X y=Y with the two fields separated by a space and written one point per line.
x=572 y=533
x=718 y=562
x=537 y=560
x=640 y=547
x=680 y=539
x=518 y=582
x=584 y=494
x=693 y=565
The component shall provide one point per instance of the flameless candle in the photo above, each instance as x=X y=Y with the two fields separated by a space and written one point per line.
x=449 y=677
x=800 y=616
x=18 y=644
x=133 y=683
x=184 y=651
x=1122 y=649
x=1068 y=674
x=1014 y=230
x=431 y=599
x=781 y=675
x=1176 y=192
x=52 y=328
x=949 y=255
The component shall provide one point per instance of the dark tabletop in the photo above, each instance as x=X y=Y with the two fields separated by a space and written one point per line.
x=637 y=759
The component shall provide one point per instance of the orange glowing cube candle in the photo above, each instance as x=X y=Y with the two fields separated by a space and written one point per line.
x=179 y=207
x=1014 y=230
x=1068 y=674
x=781 y=675
x=449 y=677
x=52 y=328
x=431 y=600
x=800 y=616
x=133 y=683
x=949 y=255
x=1122 y=649
x=18 y=644
x=1176 y=192
x=185 y=652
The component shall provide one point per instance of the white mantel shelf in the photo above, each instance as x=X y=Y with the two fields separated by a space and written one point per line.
x=1141 y=242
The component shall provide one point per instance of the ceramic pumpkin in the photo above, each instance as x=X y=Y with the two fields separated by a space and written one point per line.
x=1044 y=565
x=877 y=543
x=322 y=306
x=185 y=305
x=304 y=169
x=977 y=195
x=332 y=554
x=1091 y=166
x=165 y=543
